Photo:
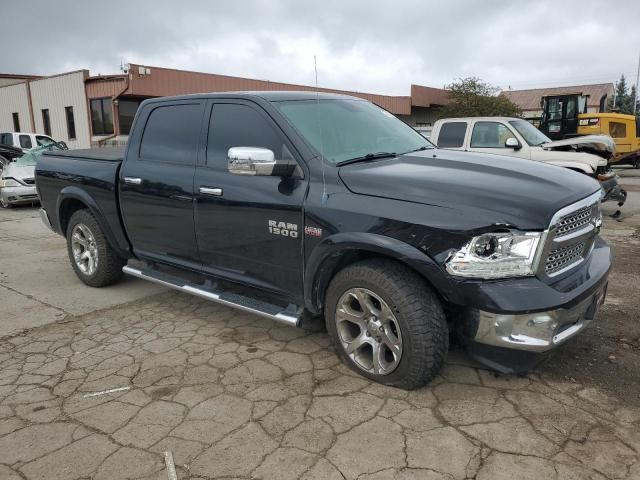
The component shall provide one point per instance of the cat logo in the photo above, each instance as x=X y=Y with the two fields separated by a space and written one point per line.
x=282 y=228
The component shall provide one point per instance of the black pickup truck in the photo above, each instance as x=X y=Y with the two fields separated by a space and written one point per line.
x=288 y=204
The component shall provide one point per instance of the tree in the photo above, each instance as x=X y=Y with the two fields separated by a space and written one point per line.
x=471 y=97
x=623 y=99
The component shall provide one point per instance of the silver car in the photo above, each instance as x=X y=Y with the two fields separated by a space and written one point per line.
x=17 y=182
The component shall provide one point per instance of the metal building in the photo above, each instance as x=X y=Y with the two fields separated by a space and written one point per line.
x=97 y=111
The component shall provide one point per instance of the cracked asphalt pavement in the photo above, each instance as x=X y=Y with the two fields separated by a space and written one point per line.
x=231 y=395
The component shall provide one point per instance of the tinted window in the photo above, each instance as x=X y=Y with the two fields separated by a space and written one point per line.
x=6 y=139
x=617 y=129
x=101 y=116
x=16 y=121
x=239 y=126
x=25 y=141
x=171 y=134
x=71 y=123
x=452 y=134
x=46 y=121
x=490 y=135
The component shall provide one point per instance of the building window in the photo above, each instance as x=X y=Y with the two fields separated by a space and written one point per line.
x=46 y=121
x=71 y=123
x=16 y=122
x=101 y=116
x=126 y=112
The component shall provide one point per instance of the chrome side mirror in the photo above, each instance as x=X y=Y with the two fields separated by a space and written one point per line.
x=512 y=143
x=251 y=161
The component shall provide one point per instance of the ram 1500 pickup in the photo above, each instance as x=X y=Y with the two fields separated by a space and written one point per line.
x=286 y=204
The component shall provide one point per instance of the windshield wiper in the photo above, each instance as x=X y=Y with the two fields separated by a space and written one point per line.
x=426 y=147
x=368 y=156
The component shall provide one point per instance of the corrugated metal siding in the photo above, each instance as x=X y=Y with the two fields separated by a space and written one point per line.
x=167 y=82
x=56 y=93
x=98 y=87
x=14 y=98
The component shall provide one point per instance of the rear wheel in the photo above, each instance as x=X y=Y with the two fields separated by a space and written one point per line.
x=92 y=258
x=387 y=323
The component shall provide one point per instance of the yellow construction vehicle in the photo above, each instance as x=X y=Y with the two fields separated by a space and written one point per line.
x=565 y=117
x=624 y=129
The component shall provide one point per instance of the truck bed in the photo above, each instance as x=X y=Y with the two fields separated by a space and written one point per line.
x=86 y=176
x=113 y=154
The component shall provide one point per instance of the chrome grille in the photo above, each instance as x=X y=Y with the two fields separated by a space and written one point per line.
x=29 y=181
x=563 y=257
x=574 y=221
x=570 y=238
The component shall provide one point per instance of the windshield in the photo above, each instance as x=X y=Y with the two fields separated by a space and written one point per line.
x=31 y=157
x=531 y=134
x=345 y=129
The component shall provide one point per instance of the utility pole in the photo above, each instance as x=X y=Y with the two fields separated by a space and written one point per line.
x=635 y=97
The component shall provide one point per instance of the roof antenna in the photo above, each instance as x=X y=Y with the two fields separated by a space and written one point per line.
x=325 y=197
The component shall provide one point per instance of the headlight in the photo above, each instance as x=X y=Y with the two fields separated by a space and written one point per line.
x=496 y=255
x=9 y=182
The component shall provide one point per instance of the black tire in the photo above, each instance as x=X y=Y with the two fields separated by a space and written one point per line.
x=417 y=310
x=636 y=162
x=109 y=264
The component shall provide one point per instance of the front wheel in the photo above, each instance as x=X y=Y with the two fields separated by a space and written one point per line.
x=4 y=203
x=386 y=323
x=92 y=258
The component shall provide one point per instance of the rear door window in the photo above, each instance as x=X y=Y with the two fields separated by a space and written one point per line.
x=171 y=134
x=25 y=141
x=452 y=134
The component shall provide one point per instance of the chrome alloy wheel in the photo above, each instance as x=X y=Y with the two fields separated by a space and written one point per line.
x=368 y=331
x=85 y=250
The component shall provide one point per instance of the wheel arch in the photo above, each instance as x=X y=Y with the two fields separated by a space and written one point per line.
x=341 y=250
x=70 y=200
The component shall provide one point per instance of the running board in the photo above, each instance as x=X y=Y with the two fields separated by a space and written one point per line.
x=290 y=316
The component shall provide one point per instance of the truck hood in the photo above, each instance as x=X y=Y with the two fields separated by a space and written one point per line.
x=569 y=159
x=491 y=188
x=601 y=145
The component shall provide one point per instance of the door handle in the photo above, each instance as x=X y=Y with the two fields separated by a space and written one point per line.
x=132 y=180
x=216 y=192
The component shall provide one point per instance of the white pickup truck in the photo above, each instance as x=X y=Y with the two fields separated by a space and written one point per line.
x=515 y=137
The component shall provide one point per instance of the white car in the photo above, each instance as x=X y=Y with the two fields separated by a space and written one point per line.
x=24 y=140
x=513 y=137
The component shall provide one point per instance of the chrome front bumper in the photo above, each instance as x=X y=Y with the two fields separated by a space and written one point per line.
x=540 y=331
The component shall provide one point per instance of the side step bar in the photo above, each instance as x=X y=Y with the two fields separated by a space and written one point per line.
x=290 y=316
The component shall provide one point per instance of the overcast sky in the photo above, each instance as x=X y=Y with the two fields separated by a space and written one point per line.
x=374 y=46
